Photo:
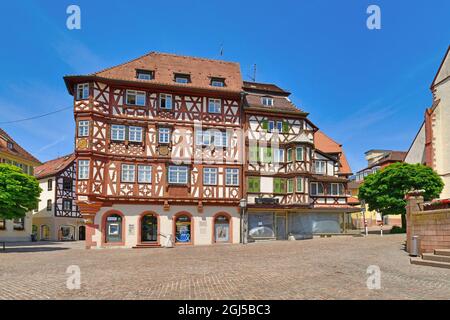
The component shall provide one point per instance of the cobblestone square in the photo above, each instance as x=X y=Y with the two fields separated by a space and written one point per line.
x=322 y=268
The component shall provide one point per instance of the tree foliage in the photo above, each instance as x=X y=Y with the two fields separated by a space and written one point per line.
x=385 y=190
x=19 y=192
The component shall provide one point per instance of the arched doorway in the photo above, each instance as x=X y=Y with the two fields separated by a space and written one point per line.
x=81 y=233
x=45 y=232
x=149 y=228
x=222 y=228
x=113 y=228
x=183 y=229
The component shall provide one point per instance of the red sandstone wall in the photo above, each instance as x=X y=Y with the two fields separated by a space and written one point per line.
x=433 y=228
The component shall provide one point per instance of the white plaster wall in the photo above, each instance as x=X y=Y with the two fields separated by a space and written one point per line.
x=11 y=235
x=46 y=195
x=203 y=222
x=416 y=153
x=266 y=184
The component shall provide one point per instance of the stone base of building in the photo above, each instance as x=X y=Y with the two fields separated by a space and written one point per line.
x=129 y=226
x=59 y=229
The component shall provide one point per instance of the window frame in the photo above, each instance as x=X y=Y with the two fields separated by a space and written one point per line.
x=149 y=73
x=230 y=171
x=86 y=164
x=303 y=153
x=145 y=173
x=212 y=172
x=299 y=181
x=163 y=134
x=179 y=76
x=177 y=175
x=2 y=224
x=82 y=126
x=136 y=94
x=317 y=189
x=50 y=185
x=118 y=129
x=84 y=90
x=290 y=185
x=265 y=101
x=49 y=204
x=130 y=170
x=165 y=96
x=70 y=204
x=65 y=181
x=219 y=81
x=289 y=155
x=215 y=100
x=324 y=162
x=136 y=131
x=22 y=224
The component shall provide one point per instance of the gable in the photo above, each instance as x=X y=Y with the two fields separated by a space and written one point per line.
x=444 y=69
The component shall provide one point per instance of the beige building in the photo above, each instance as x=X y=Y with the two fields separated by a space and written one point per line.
x=431 y=146
x=12 y=153
x=57 y=217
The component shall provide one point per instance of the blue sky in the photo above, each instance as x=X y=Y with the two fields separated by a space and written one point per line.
x=364 y=88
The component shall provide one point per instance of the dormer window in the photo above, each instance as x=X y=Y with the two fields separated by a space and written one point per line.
x=182 y=78
x=217 y=82
x=83 y=91
x=267 y=101
x=145 y=74
x=10 y=146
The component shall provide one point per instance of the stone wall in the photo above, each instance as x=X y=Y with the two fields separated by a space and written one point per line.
x=432 y=227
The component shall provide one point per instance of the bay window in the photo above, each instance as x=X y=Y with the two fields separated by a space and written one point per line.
x=83 y=91
x=164 y=135
x=83 y=169
x=210 y=176
x=135 y=134
x=83 y=128
x=320 y=166
x=316 y=188
x=232 y=177
x=144 y=174
x=128 y=173
x=117 y=132
x=178 y=175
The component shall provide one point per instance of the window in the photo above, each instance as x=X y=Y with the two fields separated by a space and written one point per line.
x=253 y=184
x=337 y=189
x=83 y=169
x=280 y=126
x=136 y=98
x=183 y=229
x=182 y=78
x=10 y=145
x=289 y=155
x=67 y=205
x=210 y=176
x=117 y=132
x=278 y=155
x=49 y=185
x=211 y=137
x=279 y=185
x=299 y=185
x=299 y=154
x=267 y=101
x=128 y=173
x=290 y=185
x=113 y=228
x=214 y=105
x=178 y=175
x=2 y=224
x=316 y=188
x=144 y=74
x=83 y=91
x=144 y=174
x=83 y=128
x=253 y=154
x=217 y=82
x=271 y=125
x=275 y=126
x=165 y=101
x=164 y=135
x=232 y=177
x=67 y=184
x=49 y=205
x=19 y=224
x=320 y=166
x=135 y=134
x=266 y=154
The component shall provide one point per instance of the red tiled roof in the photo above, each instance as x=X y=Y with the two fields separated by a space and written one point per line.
x=279 y=103
x=325 y=144
x=165 y=66
x=266 y=87
x=352 y=200
x=16 y=150
x=53 y=167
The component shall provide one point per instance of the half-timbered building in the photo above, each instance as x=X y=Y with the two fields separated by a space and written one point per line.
x=296 y=175
x=158 y=151
x=57 y=217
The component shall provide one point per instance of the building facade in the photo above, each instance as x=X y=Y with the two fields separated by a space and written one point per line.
x=376 y=160
x=158 y=154
x=57 y=217
x=296 y=175
x=179 y=147
x=12 y=153
x=431 y=146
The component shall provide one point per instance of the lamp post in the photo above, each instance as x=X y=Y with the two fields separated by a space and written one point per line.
x=363 y=211
x=243 y=206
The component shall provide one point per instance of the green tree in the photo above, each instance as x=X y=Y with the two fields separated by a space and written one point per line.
x=19 y=192
x=385 y=190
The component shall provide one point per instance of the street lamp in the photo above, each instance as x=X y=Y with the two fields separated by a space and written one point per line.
x=243 y=206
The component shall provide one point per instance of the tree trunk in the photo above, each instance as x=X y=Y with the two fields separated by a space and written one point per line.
x=403 y=221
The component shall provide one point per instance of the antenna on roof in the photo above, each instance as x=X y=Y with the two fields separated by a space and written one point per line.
x=254 y=74
x=221 y=49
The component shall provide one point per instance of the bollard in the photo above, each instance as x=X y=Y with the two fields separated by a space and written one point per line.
x=415 y=249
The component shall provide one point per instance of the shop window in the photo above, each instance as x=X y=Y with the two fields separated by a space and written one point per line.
x=19 y=224
x=261 y=225
x=222 y=229
x=183 y=229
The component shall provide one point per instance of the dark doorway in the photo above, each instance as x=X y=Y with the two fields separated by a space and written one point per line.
x=149 y=228
x=82 y=233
